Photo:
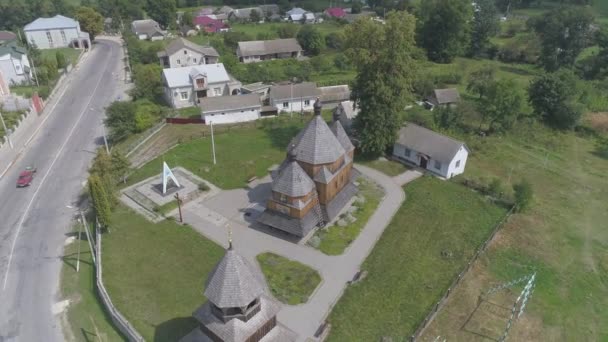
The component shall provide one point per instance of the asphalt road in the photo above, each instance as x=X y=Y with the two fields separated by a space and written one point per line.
x=34 y=221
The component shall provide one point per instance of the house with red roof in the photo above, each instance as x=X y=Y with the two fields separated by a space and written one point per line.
x=335 y=12
x=210 y=25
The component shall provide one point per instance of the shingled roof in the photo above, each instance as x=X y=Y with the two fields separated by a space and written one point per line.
x=445 y=96
x=304 y=90
x=233 y=282
x=433 y=144
x=181 y=43
x=316 y=144
x=293 y=181
x=340 y=133
x=267 y=47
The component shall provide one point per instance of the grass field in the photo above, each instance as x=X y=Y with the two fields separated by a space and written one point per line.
x=87 y=318
x=388 y=167
x=155 y=273
x=407 y=272
x=335 y=239
x=70 y=54
x=289 y=281
x=563 y=237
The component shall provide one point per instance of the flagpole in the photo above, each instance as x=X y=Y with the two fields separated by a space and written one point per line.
x=213 y=144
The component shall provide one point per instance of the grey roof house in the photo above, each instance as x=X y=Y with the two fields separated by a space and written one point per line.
x=147 y=29
x=244 y=14
x=56 y=32
x=432 y=151
x=444 y=97
x=293 y=97
x=260 y=50
x=182 y=52
x=14 y=63
x=230 y=109
x=238 y=308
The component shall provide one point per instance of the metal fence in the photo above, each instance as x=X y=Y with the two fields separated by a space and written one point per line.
x=429 y=318
x=144 y=137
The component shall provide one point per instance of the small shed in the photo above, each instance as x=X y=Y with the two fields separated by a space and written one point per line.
x=440 y=154
x=444 y=98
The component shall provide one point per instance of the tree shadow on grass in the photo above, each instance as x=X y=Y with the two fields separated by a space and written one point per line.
x=281 y=136
x=174 y=329
x=601 y=149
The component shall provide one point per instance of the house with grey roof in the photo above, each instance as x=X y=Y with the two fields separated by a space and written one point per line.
x=14 y=64
x=440 y=154
x=313 y=184
x=443 y=98
x=230 y=109
x=187 y=86
x=182 y=53
x=345 y=112
x=261 y=50
x=226 y=10
x=238 y=308
x=244 y=14
x=56 y=32
x=147 y=29
x=293 y=97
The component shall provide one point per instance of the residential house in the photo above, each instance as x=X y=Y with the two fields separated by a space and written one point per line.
x=14 y=63
x=56 y=32
x=230 y=109
x=335 y=12
x=313 y=184
x=182 y=53
x=4 y=89
x=443 y=98
x=261 y=50
x=346 y=113
x=430 y=150
x=294 y=97
x=226 y=10
x=271 y=11
x=300 y=15
x=205 y=11
x=208 y=24
x=7 y=36
x=186 y=86
x=187 y=31
x=238 y=307
x=333 y=95
x=260 y=88
x=244 y=14
x=147 y=29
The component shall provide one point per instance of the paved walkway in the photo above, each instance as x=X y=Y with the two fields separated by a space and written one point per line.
x=407 y=177
x=335 y=271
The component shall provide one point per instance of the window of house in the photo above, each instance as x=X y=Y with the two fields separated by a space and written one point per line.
x=65 y=41
x=218 y=91
x=184 y=95
x=185 y=52
x=194 y=59
x=285 y=104
x=49 y=38
x=458 y=163
x=283 y=198
x=307 y=102
x=408 y=152
x=437 y=165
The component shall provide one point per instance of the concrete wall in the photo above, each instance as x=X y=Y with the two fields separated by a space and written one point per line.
x=39 y=37
x=179 y=59
x=233 y=116
x=461 y=156
x=446 y=170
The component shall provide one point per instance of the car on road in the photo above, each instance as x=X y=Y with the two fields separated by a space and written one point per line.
x=26 y=177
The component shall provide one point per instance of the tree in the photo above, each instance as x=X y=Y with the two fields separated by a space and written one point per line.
x=501 y=105
x=60 y=59
x=288 y=30
x=255 y=16
x=163 y=11
x=148 y=82
x=445 y=29
x=90 y=21
x=523 y=195
x=554 y=96
x=311 y=39
x=120 y=118
x=446 y=117
x=485 y=25
x=355 y=7
x=382 y=55
x=480 y=80
x=564 y=33
x=100 y=200
x=50 y=64
x=146 y=115
x=187 y=18
x=335 y=40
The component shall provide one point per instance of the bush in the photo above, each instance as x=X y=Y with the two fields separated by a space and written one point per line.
x=203 y=186
x=523 y=195
x=443 y=79
x=495 y=188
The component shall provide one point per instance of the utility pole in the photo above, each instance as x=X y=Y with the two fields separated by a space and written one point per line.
x=105 y=140
x=213 y=144
x=8 y=134
x=35 y=73
x=179 y=207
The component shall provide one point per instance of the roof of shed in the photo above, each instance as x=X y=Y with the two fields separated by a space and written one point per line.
x=433 y=144
x=227 y=103
x=295 y=91
x=264 y=47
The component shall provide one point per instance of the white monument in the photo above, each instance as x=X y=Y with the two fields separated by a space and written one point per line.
x=168 y=175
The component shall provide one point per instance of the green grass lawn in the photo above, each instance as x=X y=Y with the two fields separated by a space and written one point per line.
x=335 y=239
x=407 y=273
x=388 y=167
x=289 y=281
x=87 y=318
x=10 y=120
x=155 y=273
x=70 y=54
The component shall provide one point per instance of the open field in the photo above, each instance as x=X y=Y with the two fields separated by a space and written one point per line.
x=563 y=237
x=86 y=317
x=289 y=281
x=428 y=242
x=155 y=273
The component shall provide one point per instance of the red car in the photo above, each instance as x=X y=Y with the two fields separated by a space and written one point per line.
x=26 y=177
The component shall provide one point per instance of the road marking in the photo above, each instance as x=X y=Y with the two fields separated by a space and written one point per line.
x=27 y=209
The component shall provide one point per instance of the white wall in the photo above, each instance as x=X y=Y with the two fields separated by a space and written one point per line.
x=14 y=69
x=295 y=105
x=176 y=100
x=233 y=116
x=446 y=170
x=39 y=37
x=179 y=59
x=462 y=156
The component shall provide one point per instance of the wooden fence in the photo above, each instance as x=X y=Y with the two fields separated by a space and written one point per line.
x=184 y=121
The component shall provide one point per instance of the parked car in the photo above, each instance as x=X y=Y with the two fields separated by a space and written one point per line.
x=26 y=177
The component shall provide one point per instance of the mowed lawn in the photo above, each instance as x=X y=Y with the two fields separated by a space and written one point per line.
x=289 y=281
x=407 y=272
x=155 y=273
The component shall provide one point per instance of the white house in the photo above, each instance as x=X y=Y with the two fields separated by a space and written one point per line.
x=298 y=97
x=186 y=86
x=430 y=150
x=56 y=32
x=147 y=29
x=14 y=64
x=230 y=109
x=182 y=53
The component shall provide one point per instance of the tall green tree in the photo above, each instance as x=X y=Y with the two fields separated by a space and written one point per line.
x=288 y=30
x=148 y=82
x=501 y=105
x=485 y=25
x=120 y=119
x=90 y=21
x=254 y=16
x=382 y=55
x=554 y=98
x=163 y=11
x=564 y=33
x=480 y=80
x=311 y=39
x=445 y=30
x=61 y=60
x=100 y=200
x=523 y=195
